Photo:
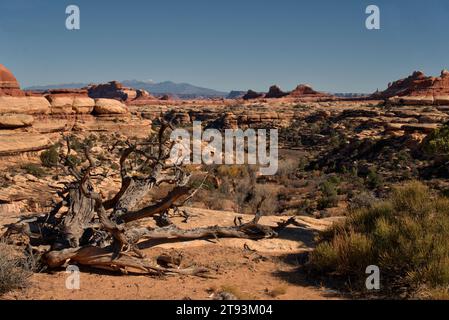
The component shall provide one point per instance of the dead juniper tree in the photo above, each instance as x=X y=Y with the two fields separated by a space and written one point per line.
x=86 y=229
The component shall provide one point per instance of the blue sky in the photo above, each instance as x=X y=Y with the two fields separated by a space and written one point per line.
x=225 y=45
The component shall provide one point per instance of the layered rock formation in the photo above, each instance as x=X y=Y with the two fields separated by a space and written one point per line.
x=8 y=83
x=13 y=121
x=31 y=121
x=70 y=101
x=418 y=89
x=24 y=105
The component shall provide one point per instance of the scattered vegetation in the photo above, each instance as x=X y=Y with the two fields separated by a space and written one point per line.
x=14 y=272
x=405 y=236
x=34 y=169
x=437 y=143
x=329 y=198
x=373 y=179
x=50 y=157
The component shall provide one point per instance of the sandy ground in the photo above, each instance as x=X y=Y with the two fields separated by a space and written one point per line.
x=267 y=271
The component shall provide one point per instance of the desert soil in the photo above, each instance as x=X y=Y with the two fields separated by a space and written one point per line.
x=264 y=269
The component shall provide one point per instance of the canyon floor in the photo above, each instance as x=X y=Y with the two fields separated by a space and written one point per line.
x=264 y=269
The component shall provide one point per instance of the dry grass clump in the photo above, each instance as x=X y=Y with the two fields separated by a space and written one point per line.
x=405 y=236
x=14 y=270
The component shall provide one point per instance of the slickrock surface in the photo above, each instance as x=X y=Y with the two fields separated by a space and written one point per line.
x=17 y=143
x=24 y=105
x=13 y=121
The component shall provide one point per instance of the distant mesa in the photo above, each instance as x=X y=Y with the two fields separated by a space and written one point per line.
x=235 y=94
x=275 y=92
x=307 y=93
x=116 y=90
x=180 y=90
x=302 y=91
x=251 y=94
x=9 y=86
x=417 y=89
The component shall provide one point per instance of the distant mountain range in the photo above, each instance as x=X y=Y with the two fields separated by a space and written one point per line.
x=181 y=90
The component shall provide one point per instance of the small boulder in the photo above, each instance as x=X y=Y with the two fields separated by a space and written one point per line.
x=83 y=105
x=109 y=106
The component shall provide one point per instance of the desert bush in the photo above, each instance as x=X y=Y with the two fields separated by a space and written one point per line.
x=50 y=157
x=362 y=200
x=79 y=145
x=233 y=171
x=270 y=204
x=329 y=197
x=305 y=207
x=437 y=143
x=33 y=169
x=287 y=168
x=14 y=273
x=405 y=236
x=373 y=179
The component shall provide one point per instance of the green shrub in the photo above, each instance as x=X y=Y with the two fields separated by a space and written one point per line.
x=329 y=198
x=405 y=236
x=50 y=157
x=362 y=200
x=373 y=179
x=34 y=169
x=305 y=207
x=437 y=142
